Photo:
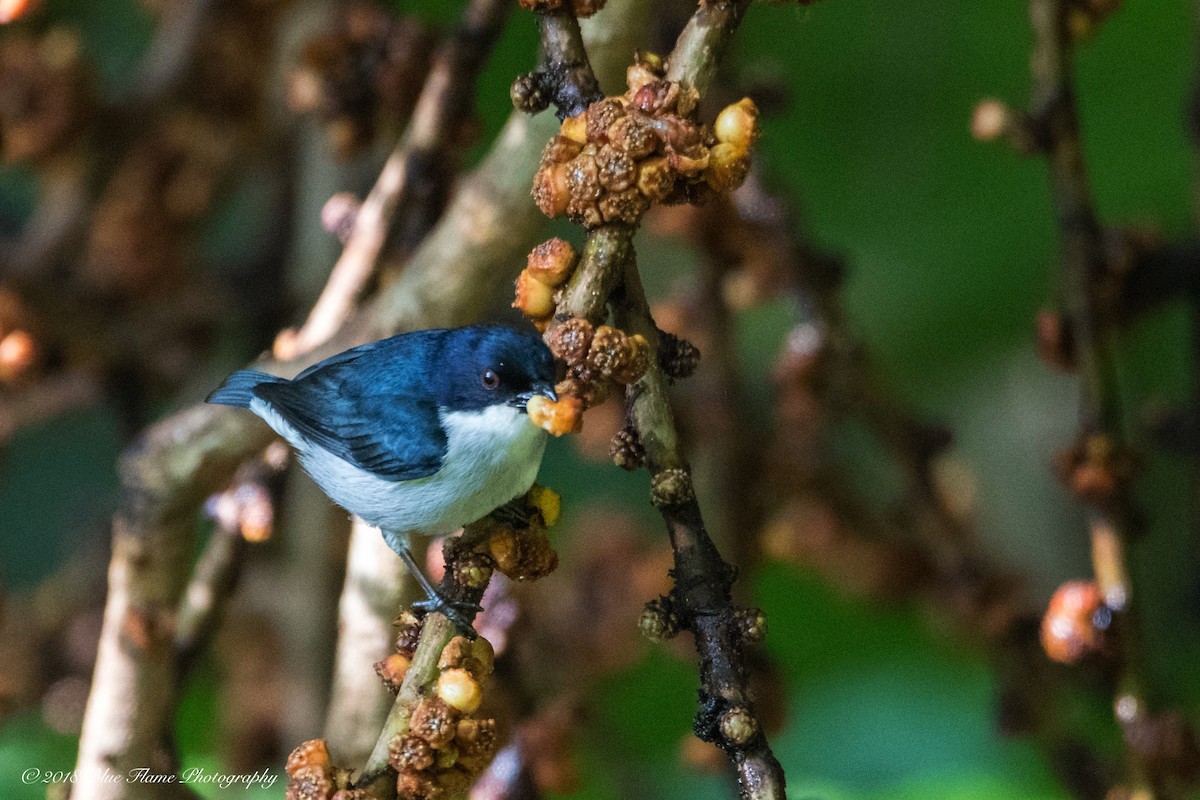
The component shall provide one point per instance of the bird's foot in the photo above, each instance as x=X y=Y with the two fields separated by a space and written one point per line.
x=460 y=612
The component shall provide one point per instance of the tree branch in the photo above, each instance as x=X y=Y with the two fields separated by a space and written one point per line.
x=1053 y=104
x=703 y=580
x=607 y=274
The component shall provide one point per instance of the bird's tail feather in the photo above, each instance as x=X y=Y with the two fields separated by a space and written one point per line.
x=238 y=389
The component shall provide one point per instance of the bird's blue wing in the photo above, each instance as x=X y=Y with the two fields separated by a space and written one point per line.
x=358 y=406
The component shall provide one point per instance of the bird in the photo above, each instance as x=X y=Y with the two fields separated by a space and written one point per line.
x=417 y=434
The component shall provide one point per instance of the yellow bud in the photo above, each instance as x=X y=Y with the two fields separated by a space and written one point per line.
x=551 y=262
x=738 y=124
x=458 y=689
x=575 y=128
x=534 y=298
x=503 y=548
x=551 y=192
x=548 y=502
x=728 y=166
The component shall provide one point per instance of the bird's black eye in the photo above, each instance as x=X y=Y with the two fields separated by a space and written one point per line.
x=490 y=379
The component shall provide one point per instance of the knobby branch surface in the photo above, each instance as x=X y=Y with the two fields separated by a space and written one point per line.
x=1054 y=110
x=436 y=633
x=703 y=580
x=410 y=193
x=607 y=278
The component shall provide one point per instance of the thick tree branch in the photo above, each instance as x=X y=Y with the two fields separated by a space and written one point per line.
x=377 y=584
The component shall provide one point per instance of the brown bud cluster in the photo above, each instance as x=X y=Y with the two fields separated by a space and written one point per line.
x=548 y=267
x=392 y=670
x=363 y=76
x=1096 y=469
x=45 y=95
x=472 y=570
x=570 y=341
x=611 y=162
x=580 y=8
x=529 y=93
x=476 y=656
x=408 y=633
x=1075 y=623
x=584 y=382
x=444 y=749
x=521 y=551
x=626 y=450
x=738 y=726
x=617 y=355
x=671 y=487
x=659 y=621
x=677 y=357
x=752 y=624
x=312 y=776
x=593 y=358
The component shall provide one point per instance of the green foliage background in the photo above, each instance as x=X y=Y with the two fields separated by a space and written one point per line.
x=951 y=247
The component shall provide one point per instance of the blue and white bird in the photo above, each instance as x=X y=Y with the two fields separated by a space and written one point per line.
x=417 y=434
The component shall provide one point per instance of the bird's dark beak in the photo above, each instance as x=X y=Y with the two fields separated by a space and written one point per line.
x=544 y=389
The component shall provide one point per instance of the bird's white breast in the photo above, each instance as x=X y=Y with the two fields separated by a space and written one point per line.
x=492 y=456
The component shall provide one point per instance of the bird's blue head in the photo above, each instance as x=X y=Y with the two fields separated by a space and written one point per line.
x=490 y=365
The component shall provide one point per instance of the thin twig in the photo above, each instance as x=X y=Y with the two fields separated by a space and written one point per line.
x=703 y=580
x=1053 y=104
x=213 y=581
